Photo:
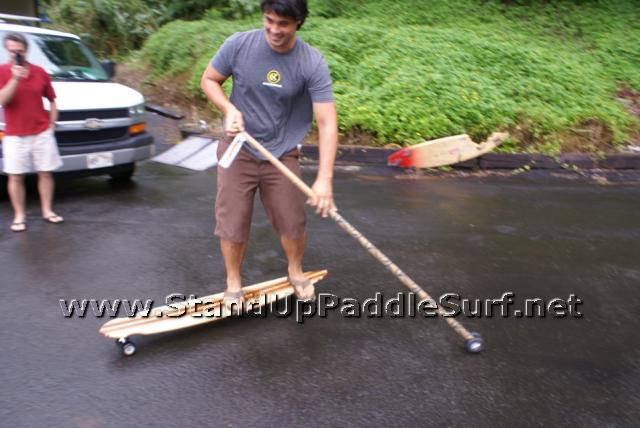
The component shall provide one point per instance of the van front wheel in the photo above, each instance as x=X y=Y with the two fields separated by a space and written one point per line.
x=123 y=173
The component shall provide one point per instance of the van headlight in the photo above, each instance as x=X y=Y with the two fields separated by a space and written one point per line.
x=137 y=111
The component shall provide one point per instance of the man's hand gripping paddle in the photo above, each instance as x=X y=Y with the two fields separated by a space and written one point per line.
x=473 y=341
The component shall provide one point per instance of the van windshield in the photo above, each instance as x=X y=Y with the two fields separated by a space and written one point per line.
x=64 y=58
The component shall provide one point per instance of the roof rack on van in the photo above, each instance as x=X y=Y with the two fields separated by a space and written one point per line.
x=8 y=17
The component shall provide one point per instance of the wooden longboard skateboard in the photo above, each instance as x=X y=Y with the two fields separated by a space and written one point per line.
x=444 y=151
x=196 y=312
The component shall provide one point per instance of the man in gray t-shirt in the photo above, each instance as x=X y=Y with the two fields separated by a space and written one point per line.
x=279 y=83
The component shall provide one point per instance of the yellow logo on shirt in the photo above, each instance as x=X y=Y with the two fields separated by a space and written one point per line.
x=273 y=77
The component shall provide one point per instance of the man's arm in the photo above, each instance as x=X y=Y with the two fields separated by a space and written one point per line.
x=211 y=83
x=327 y=120
x=53 y=114
x=8 y=91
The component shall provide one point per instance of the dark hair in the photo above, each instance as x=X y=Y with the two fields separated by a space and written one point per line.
x=296 y=9
x=16 y=37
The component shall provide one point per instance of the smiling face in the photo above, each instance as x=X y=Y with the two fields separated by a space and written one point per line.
x=280 y=31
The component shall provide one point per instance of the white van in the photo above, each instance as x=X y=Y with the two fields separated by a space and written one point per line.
x=101 y=127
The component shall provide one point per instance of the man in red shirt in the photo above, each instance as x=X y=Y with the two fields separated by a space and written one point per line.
x=29 y=130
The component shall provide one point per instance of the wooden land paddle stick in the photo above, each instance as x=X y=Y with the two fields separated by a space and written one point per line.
x=473 y=341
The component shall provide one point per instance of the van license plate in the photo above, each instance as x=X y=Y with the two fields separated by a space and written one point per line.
x=99 y=160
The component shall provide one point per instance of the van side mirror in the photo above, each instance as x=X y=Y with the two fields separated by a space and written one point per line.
x=109 y=67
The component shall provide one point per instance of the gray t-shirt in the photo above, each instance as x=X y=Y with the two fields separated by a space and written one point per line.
x=274 y=91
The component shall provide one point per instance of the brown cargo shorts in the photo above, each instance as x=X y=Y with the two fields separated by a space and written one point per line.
x=236 y=189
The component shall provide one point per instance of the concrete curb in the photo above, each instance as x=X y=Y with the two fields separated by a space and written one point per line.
x=378 y=156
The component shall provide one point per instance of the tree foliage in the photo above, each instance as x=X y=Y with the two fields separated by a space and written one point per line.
x=116 y=27
x=110 y=27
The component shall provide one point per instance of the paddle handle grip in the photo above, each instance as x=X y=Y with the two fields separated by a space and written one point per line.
x=372 y=249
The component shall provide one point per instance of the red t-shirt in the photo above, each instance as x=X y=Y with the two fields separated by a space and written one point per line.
x=25 y=113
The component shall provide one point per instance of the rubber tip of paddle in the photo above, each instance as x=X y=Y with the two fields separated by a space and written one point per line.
x=475 y=344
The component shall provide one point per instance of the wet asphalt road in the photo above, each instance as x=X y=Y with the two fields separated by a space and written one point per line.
x=476 y=237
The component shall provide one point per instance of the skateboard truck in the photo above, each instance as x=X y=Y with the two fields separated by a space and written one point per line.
x=128 y=348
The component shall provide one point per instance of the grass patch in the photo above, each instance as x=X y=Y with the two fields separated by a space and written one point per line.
x=410 y=70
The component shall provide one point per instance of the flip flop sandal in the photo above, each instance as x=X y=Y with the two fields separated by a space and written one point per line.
x=233 y=302
x=53 y=219
x=19 y=226
x=299 y=288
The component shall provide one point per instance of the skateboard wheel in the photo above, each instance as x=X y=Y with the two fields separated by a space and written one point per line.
x=475 y=344
x=128 y=348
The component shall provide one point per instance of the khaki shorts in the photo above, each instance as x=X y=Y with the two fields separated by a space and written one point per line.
x=237 y=185
x=29 y=153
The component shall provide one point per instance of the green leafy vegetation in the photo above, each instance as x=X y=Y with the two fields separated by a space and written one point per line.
x=116 y=27
x=109 y=27
x=407 y=70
